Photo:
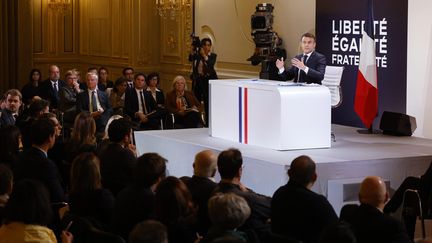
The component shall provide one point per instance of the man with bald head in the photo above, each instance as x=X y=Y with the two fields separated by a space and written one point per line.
x=296 y=211
x=368 y=221
x=202 y=184
x=49 y=88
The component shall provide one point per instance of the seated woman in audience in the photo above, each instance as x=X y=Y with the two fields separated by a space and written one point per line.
x=26 y=215
x=227 y=212
x=103 y=82
x=183 y=104
x=10 y=149
x=152 y=86
x=117 y=96
x=83 y=136
x=30 y=90
x=87 y=197
x=68 y=95
x=175 y=209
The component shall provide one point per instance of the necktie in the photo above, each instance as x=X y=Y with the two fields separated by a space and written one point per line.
x=143 y=106
x=305 y=57
x=93 y=105
x=55 y=87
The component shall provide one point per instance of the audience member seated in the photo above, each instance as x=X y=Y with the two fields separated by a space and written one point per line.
x=117 y=96
x=27 y=214
x=36 y=164
x=83 y=137
x=68 y=95
x=35 y=110
x=339 y=232
x=423 y=185
x=230 y=167
x=174 y=208
x=30 y=90
x=149 y=231
x=201 y=186
x=228 y=212
x=94 y=101
x=152 y=82
x=6 y=185
x=10 y=140
x=297 y=211
x=105 y=83
x=368 y=221
x=10 y=113
x=87 y=197
x=135 y=203
x=183 y=104
x=49 y=88
x=128 y=74
x=139 y=105
x=118 y=159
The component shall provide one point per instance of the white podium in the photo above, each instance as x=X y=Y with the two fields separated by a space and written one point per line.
x=271 y=114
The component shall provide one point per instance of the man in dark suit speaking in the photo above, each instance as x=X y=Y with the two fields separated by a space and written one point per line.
x=308 y=67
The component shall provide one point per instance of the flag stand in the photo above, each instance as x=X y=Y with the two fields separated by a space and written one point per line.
x=370 y=130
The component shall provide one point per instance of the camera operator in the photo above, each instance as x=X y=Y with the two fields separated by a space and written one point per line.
x=308 y=67
x=203 y=70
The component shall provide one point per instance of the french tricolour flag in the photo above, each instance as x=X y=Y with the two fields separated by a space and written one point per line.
x=366 y=97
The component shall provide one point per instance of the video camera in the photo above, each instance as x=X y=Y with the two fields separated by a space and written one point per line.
x=195 y=42
x=267 y=42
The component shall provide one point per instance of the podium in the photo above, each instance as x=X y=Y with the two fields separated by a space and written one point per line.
x=271 y=114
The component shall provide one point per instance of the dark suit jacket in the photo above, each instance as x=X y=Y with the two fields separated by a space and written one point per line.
x=83 y=104
x=300 y=213
x=67 y=103
x=6 y=118
x=316 y=64
x=116 y=167
x=35 y=165
x=259 y=205
x=201 y=189
x=46 y=91
x=132 y=106
x=132 y=103
x=372 y=226
x=171 y=104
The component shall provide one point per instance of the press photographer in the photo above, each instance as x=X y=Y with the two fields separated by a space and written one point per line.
x=203 y=61
x=267 y=42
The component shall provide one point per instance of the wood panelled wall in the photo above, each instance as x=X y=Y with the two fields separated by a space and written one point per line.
x=93 y=33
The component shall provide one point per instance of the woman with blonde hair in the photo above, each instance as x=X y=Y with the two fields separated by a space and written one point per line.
x=87 y=197
x=183 y=104
x=83 y=138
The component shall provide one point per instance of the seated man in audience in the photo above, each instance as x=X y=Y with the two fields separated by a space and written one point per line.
x=230 y=167
x=35 y=163
x=149 y=231
x=298 y=212
x=201 y=186
x=118 y=158
x=35 y=110
x=10 y=113
x=128 y=74
x=49 y=88
x=135 y=202
x=94 y=101
x=368 y=221
x=139 y=105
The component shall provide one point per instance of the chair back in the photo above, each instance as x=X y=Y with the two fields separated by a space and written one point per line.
x=411 y=209
x=332 y=80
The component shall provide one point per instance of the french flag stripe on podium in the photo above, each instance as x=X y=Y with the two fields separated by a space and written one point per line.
x=243 y=115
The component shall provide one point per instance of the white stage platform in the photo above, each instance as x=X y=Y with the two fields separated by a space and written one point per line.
x=353 y=156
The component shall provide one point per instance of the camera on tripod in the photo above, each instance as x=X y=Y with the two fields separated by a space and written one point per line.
x=267 y=42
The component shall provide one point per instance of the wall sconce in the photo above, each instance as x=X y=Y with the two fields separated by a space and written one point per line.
x=171 y=8
x=60 y=6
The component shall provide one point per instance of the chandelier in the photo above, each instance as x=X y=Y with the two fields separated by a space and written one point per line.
x=171 y=8
x=60 y=6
